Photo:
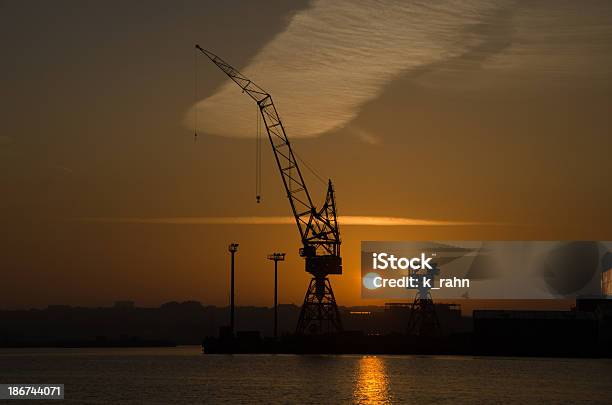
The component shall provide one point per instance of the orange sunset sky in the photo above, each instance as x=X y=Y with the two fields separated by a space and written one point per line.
x=485 y=119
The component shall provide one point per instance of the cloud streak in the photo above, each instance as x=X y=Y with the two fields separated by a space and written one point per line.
x=279 y=220
x=335 y=56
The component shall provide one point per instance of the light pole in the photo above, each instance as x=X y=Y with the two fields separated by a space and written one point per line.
x=277 y=257
x=233 y=248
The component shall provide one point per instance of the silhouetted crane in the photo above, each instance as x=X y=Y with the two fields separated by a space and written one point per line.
x=318 y=228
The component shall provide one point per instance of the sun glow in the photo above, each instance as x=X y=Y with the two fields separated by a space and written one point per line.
x=371 y=385
x=253 y=220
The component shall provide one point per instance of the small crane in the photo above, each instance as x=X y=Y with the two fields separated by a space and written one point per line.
x=318 y=228
x=423 y=320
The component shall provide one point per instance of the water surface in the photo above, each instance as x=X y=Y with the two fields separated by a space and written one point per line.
x=182 y=375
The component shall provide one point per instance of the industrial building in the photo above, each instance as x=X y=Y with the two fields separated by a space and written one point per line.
x=583 y=331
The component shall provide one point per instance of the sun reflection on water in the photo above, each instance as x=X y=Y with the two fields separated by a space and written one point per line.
x=372 y=383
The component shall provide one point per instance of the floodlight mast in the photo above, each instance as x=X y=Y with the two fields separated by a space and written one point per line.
x=276 y=257
x=232 y=248
x=318 y=228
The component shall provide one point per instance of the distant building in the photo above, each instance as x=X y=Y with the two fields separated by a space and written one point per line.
x=449 y=317
x=511 y=332
x=124 y=304
x=60 y=307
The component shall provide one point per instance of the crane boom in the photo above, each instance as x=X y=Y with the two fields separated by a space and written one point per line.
x=318 y=228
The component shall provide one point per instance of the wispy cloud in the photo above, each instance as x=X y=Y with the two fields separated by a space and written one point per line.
x=61 y=169
x=335 y=56
x=254 y=220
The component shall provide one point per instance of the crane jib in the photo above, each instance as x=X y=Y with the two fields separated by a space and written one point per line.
x=319 y=234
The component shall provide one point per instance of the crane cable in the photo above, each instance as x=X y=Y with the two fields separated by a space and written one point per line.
x=311 y=169
x=258 y=159
x=195 y=94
